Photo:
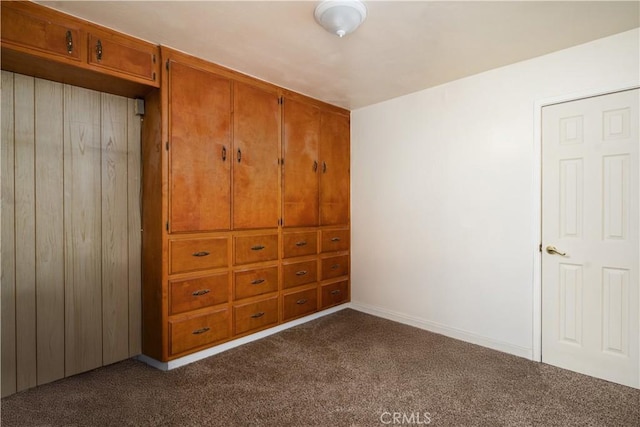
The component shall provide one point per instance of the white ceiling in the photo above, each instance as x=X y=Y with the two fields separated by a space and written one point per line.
x=402 y=47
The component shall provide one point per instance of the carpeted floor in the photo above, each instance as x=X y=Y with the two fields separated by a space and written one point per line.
x=346 y=369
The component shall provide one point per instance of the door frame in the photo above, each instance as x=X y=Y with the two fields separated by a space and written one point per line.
x=537 y=199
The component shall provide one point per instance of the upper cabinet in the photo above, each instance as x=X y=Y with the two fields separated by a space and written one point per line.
x=112 y=52
x=42 y=42
x=334 y=170
x=316 y=165
x=256 y=129
x=300 y=190
x=42 y=32
x=200 y=156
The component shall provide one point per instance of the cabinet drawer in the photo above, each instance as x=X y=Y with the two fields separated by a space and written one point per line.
x=260 y=248
x=255 y=315
x=300 y=303
x=198 y=254
x=299 y=273
x=300 y=244
x=335 y=266
x=48 y=34
x=255 y=282
x=192 y=294
x=334 y=293
x=122 y=55
x=198 y=331
x=335 y=240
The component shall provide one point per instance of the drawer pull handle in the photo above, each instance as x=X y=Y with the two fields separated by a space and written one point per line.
x=201 y=331
x=324 y=167
x=99 y=51
x=257 y=247
x=201 y=292
x=301 y=243
x=301 y=272
x=335 y=292
x=301 y=301
x=315 y=166
x=335 y=266
x=69 y=42
x=257 y=281
x=335 y=239
x=224 y=153
x=239 y=155
x=199 y=254
x=257 y=315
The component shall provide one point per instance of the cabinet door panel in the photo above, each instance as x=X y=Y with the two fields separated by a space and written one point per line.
x=301 y=132
x=122 y=55
x=199 y=128
x=334 y=174
x=46 y=34
x=256 y=153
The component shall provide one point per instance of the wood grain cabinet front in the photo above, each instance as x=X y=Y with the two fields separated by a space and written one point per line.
x=300 y=303
x=255 y=315
x=114 y=53
x=42 y=31
x=258 y=248
x=334 y=294
x=335 y=267
x=42 y=42
x=297 y=244
x=199 y=147
x=198 y=331
x=250 y=283
x=192 y=294
x=299 y=273
x=335 y=240
x=198 y=254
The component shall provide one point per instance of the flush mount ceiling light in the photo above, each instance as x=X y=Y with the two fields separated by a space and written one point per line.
x=340 y=17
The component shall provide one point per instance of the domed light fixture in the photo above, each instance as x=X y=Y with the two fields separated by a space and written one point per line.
x=340 y=17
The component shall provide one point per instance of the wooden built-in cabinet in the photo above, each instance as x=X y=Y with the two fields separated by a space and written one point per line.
x=221 y=149
x=316 y=165
x=42 y=42
x=245 y=208
x=198 y=144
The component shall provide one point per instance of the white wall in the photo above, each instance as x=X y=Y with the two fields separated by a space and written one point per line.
x=444 y=195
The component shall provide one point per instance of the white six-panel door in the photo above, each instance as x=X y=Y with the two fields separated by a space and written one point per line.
x=590 y=216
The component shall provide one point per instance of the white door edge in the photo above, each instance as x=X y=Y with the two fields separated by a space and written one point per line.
x=536 y=215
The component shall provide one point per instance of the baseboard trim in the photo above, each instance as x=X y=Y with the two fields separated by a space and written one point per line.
x=448 y=331
x=173 y=364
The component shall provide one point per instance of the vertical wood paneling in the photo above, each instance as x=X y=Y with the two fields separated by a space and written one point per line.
x=25 y=232
x=49 y=231
x=134 y=230
x=7 y=275
x=82 y=219
x=70 y=231
x=115 y=274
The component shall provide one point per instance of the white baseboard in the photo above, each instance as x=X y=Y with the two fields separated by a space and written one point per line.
x=448 y=331
x=167 y=366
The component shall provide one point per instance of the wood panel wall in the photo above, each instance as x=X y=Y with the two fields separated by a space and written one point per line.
x=70 y=231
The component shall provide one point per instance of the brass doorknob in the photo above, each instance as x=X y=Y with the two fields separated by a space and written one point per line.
x=553 y=251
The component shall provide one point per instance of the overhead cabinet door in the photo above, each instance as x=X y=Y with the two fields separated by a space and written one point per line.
x=199 y=150
x=301 y=133
x=255 y=169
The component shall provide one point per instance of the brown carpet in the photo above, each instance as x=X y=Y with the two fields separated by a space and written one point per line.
x=346 y=369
